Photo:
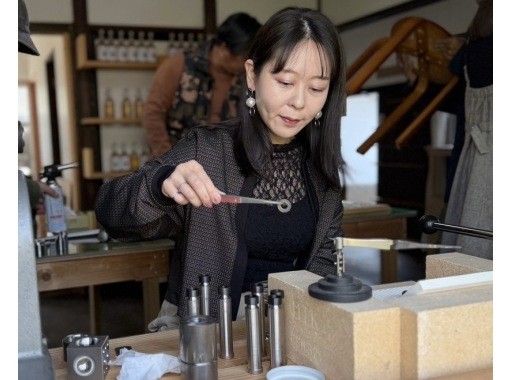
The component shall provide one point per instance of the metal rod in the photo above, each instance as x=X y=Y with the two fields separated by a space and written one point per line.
x=258 y=291
x=276 y=330
x=431 y=224
x=193 y=301
x=225 y=323
x=205 y=293
x=252 y=332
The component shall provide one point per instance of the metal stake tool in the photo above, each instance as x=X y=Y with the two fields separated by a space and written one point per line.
x=283 y=204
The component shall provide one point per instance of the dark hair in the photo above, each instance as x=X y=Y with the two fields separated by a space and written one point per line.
x=276 y=40
x=481 y=25
x=236 y=32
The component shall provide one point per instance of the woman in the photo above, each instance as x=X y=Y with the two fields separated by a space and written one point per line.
x=286 y=144
x=192 y=87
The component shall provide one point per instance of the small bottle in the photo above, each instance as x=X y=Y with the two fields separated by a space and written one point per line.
x=127 y=106
x=138 y=104
x=131 y=47
x=145 y=156
x=121 y=47
x=111 y=47
x=180 y=41
x=109 y=106
x=114 y=159
x=125 y=162
x=197 y=42
x=99 y=45
x=141 y=50
x=134 y=157
x=186 y=44
x=171 y=48
x=151 y=48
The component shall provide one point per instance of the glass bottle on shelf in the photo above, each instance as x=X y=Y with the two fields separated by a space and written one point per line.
x=139 y=104
x=109 y=106
x=134 y=157
x=199 y=41
x=180 y=40
x=141 y=50
x=127 y=106
x=171 y=49
x=131 y=47
x=125 y=161
x=145 y=156
x=151 y=48
x=122 y=47
x=99 y=45
x=114 y=158
x=112 y=46
x=186 y=43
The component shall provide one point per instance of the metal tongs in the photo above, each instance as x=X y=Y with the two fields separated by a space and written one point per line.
x=283 y=204
x=388 y=244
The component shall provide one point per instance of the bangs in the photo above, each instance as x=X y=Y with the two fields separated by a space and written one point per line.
x=283 y=54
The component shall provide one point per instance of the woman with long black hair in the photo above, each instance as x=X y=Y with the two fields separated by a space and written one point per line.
x=285 y=145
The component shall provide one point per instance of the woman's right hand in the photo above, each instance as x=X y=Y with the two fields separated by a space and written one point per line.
x=189 y=183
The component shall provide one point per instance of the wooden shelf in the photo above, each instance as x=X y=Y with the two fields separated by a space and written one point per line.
x=88 y=167
x=102 y=121
x=84 y=63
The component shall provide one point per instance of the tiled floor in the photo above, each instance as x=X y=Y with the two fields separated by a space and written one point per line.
x=66 y=312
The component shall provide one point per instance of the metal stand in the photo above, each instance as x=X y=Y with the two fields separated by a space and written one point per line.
x=431 y=224
x=340 y=287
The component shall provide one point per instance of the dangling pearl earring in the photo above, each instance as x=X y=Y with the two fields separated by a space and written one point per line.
x=250 y=101
x=316 y=118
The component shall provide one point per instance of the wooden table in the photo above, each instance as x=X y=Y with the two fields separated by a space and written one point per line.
x=93 y=264
x=233 y=369
x=168 y=342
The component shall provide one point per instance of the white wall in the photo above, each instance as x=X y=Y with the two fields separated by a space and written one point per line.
x=260 y=9
x=33 y=68
x=356 y=40
x=50 y=11
x=164 y=13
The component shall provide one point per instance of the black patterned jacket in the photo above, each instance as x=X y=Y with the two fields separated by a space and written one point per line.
x=133 y=208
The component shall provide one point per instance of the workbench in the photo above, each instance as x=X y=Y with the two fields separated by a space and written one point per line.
x=233 y=369
x=168 y=342
x=92 y=264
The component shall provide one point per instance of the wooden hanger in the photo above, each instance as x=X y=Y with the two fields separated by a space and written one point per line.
x=414 y=39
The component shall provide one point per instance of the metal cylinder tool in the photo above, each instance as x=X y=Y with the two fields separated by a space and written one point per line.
x=197 y=348
x=205 y=293
x=258 y=291
x=253 y=334
x=193 y=301
x=276 y=329
x=225 y=323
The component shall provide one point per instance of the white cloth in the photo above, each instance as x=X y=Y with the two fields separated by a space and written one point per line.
x=167 y=318
x=140 y=366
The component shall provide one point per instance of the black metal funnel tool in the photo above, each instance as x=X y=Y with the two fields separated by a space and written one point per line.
x=343 y=289
x=340 y=287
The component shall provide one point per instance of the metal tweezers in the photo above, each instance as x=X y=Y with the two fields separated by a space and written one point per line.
x=388 y=244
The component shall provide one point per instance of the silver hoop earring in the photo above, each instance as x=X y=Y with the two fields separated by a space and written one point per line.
x=316 y=119
x=250 y=101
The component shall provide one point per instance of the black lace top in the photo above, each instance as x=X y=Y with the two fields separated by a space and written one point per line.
x=278 y=241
